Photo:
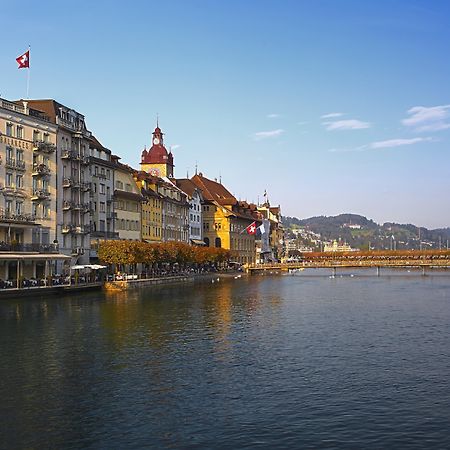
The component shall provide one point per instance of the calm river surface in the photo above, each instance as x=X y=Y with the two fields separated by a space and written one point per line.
x=266 y=362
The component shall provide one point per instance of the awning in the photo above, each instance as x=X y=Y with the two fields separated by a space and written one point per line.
x=197 y=242
x=33 y=256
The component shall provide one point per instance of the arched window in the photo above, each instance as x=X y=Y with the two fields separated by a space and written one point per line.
x=218 y=242
x=206 y=241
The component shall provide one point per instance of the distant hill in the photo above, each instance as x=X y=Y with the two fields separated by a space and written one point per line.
x=359 y=231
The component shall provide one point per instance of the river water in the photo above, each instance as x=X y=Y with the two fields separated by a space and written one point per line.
x=303 y=361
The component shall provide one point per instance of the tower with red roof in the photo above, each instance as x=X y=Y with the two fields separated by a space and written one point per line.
x=157 y=161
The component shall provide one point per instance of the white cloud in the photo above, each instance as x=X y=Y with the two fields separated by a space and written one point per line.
x=433 y=118
x=175 y=146
x=398 y=142
x=267 y=134
x=389 y=143
x=349 y=124
x=331 y=115
x=272 y=116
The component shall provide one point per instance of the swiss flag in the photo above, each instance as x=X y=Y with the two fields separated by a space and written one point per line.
x=24 y=60
x=251 y=229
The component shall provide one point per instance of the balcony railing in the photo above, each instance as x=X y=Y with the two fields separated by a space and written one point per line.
x=75 y=229
x=78 y=251
x=12 y=106
x=7 y=216
x=105 y=234
x=40 y=170
x=40 y=248
x=40 y=194
x=46 y=147
x=12 y=163
x=71 y=182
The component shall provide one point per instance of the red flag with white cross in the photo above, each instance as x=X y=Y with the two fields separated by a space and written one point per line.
x=24 y=60
x=251 y=229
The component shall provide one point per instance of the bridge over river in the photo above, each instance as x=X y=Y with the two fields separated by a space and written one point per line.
x=377 y=259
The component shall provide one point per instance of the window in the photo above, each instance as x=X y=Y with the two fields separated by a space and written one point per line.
x=119 y=185
x=108 y=174
x=19 y=155
x=102 y=207
x=102 y=188
x=9 y=129
x=19 y=181
x=36 y=135
x=8 y=179
x=96 y=170
x=19 y=208
x=206 y=241
x=19 y=132
x=46 y=210
x=46 y=135
x=128 y=187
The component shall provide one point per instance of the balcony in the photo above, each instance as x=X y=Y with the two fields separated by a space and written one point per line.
x=40 y=194
x=68 y=154
x=40 y=248
x=12 y=163
x=86 y=186
x=40 y=170
x=104 y=235
x=85 y=160
x=71 y=183
x=75 y=229
x=9 y=217
x=14 y=190
x=77 y=251
x=67 y=205
x=66 y=228
x=46 y=147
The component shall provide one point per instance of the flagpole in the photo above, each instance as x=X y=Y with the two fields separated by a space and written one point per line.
x=28 y=77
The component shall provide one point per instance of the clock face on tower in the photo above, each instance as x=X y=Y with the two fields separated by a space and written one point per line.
x=156 y=141
x=154 y=172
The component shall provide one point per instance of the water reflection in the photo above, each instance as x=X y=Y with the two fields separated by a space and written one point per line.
x=271 y=360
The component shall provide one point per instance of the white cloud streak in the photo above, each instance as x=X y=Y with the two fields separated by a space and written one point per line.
x=398 y=142
x=433 y=118
x=349 y=124
x=332 y=115
x=272 y=116
x=389 y=143
x=175 y=146
x=267 y=134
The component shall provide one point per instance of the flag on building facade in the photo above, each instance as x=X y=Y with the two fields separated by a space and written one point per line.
x=261 y=229
x=251 y=229
x=24 y=60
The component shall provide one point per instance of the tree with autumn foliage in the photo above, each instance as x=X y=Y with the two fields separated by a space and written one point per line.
x=119 y=253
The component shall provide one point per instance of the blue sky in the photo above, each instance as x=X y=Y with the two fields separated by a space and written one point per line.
x=332 y=106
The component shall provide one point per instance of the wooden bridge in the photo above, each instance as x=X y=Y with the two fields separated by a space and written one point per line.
x=375 y=259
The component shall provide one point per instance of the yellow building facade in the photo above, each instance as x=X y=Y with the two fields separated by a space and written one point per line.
x=152 y=208
x=225 y=220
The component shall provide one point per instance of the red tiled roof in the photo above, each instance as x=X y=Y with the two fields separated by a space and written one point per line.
x=213 y=191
